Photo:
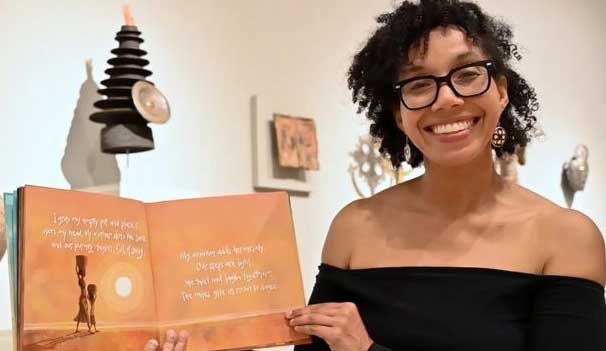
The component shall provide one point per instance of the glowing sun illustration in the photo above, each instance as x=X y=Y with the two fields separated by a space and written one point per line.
x=123 y=287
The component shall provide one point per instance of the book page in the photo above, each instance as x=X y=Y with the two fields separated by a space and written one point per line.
x=226 y=269
x=85 y=266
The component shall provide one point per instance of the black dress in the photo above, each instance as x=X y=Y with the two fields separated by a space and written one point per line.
x=467 y=309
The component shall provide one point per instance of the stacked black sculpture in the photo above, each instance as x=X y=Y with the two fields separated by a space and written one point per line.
x=126 y=129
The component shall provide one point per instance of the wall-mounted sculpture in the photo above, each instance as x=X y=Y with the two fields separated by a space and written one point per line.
x=507 y=164
x=267 y=173
x=370 y=170
x=574 y=173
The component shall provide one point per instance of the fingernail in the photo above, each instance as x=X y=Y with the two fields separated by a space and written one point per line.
x=288 y=314
x=183 y=336
x=151 y=345
x=171 y=335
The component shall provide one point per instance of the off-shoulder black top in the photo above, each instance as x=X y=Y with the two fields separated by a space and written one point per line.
x=467 y=309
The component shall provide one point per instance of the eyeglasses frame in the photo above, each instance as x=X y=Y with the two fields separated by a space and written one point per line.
x=490 y=67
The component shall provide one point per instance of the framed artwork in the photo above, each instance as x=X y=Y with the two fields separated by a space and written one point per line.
x=297 y=142
x=267 y=173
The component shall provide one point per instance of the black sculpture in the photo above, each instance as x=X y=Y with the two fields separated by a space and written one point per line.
x=126 y=130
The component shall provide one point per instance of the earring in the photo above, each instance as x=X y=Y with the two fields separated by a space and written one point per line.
x=407 y=152
x=499 y=136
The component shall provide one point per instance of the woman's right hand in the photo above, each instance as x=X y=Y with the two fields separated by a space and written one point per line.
x=172 y=342
x=339 y=324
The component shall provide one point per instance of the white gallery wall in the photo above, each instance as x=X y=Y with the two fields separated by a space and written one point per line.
x=210 y=56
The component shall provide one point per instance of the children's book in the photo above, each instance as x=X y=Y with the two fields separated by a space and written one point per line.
x=99 y=272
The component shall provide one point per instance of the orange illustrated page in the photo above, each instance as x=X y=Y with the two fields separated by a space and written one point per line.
x=226 y=269
x=86 y=275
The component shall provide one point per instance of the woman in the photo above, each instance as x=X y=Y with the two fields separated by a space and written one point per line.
x=457 y=259
x=82 y=315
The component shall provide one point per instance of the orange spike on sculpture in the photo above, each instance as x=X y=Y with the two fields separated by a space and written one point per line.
x=128 y=16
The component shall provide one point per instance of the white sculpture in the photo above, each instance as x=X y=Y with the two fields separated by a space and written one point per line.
x=509 y=167
x=371 y=169
x=577 y=169
x=507 y=164
x=575 y=172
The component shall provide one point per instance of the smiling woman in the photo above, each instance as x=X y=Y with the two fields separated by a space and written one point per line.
x=462 y=117
x=457 y=259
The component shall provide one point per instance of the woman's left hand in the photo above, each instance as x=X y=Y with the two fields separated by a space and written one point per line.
x=339 y=324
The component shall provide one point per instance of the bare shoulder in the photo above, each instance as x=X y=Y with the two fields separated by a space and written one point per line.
x=532 y=201
x=344 y=232
x=358 y=224
x=572 y=243
x=575 y=245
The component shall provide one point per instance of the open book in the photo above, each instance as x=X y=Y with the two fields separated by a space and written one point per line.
x=98 y=272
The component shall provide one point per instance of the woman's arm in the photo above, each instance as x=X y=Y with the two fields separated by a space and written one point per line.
x=343 y=234
x=333 y=322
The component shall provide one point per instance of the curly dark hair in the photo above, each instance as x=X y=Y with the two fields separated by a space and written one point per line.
x=375 y=69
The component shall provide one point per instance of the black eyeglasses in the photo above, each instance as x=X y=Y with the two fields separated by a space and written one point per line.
x=465 y=81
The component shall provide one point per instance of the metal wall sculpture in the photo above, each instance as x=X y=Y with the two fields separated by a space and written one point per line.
x=369 y=170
